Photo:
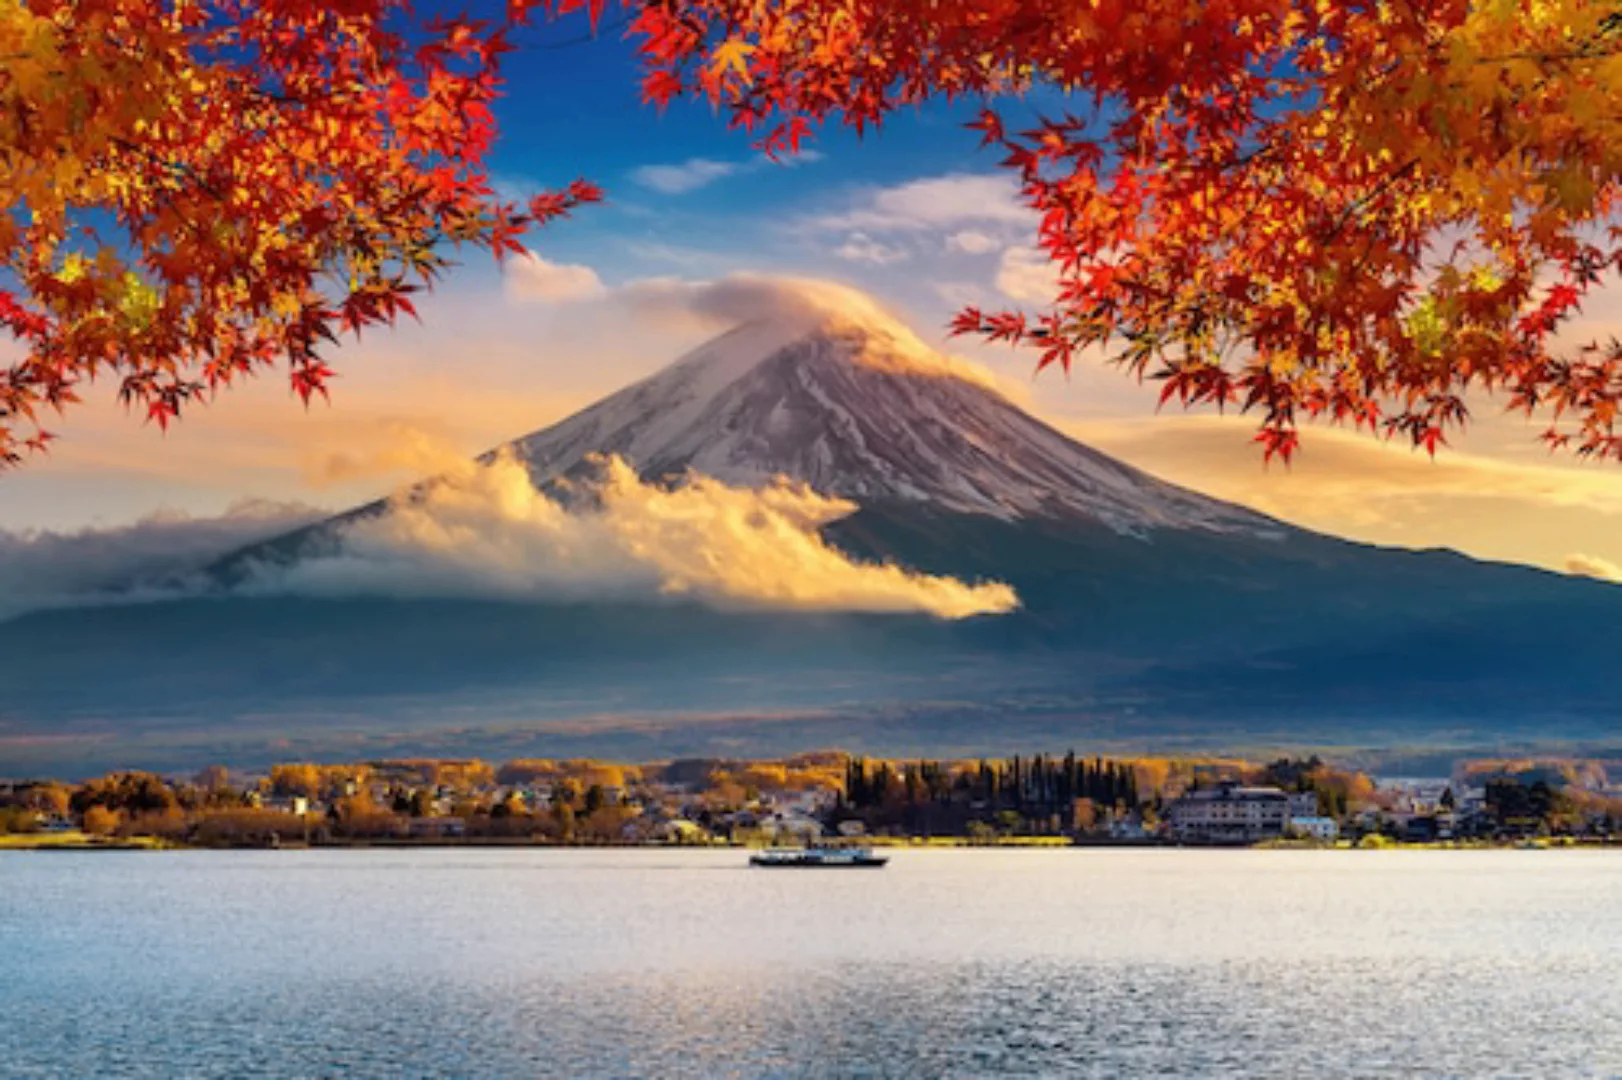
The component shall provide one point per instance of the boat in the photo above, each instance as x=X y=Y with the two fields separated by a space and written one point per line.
x=818 y=857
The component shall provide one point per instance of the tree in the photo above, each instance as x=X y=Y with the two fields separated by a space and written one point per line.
x=52 y=799
x=197 y=191
x=1360 y=212
x=101 y=821
x=127 y=792
x=1353 y=211
x=563 y=817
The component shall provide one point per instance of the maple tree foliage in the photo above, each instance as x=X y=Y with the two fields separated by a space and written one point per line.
x=1354 y=210
x=1346 y=209
x=196 y=190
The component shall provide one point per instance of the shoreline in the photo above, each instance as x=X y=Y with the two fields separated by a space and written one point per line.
x=86 y=842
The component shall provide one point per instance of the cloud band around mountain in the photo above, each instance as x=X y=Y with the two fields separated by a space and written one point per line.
x=486 y=531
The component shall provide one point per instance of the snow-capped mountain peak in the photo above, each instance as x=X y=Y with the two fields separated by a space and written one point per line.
x=855 y=405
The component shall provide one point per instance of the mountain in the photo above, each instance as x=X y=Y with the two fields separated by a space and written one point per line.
x=852 y=407
x=1150 y=614
x=867 y=412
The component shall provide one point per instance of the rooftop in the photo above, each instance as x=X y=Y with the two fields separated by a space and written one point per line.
x=1229 y=791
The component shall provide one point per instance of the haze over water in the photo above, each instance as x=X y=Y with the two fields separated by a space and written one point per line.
x=475 y=963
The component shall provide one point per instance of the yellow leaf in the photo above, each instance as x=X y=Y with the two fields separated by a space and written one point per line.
x=732 y=54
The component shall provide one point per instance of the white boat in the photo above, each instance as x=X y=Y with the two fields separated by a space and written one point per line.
x=809 y=858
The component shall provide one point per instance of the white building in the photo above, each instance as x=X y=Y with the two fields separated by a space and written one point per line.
x=1229 y=814
x=1314 y=827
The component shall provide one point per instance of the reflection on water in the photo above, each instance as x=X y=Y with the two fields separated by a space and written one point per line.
x=662 y=964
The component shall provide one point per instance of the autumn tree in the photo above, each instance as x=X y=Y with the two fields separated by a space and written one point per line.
x=130 y=793
x=100 y=820
x=526 y=771
x=1353 y=210
x=1358 y=211
x=52 y=799
x=197 y=191
x=563 y=822
x=317 y=781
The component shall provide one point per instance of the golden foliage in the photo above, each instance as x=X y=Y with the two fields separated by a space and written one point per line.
x=317 y=781
x=1359 y=213
x=100 y=821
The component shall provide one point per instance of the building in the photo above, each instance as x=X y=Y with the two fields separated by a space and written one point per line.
x=1303 y=804
x=1424 y=796
x=1314 y=827
x=1228 y=813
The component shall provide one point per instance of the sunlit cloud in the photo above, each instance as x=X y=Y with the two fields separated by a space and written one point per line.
x=1355 y=485
x=530 y=278
x=485 y=530
x=1593 y=566
x=398 y=447
x=791 y=304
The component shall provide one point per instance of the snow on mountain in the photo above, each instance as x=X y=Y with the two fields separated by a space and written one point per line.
x=856 y=406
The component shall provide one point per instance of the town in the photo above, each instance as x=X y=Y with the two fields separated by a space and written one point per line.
x=1039 y=800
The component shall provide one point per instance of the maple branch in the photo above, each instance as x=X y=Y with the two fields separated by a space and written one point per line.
x=1368 y=200
x=1550 y=57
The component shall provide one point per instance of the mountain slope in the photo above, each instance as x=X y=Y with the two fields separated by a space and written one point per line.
x=864 y=410
x=851 y=407
x=1150 y=612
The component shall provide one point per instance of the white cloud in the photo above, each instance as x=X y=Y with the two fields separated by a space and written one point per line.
x=530 y=279
x=972 y=242
x=729 y=301
x=695 y=173
x=859 y=247
x=1593 y=566
x=940 y=202
x=1028 y=275
x=40 y=569
x=690 y=175
x=962 y=294
x=486 y=531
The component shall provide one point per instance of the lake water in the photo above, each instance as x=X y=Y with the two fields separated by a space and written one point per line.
x=645 y=963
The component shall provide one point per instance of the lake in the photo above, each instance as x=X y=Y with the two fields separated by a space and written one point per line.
x=966 y=963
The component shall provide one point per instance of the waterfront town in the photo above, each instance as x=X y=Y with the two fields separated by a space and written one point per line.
x=817 y=798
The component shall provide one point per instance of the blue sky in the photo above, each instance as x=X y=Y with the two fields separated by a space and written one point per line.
x=577 y=111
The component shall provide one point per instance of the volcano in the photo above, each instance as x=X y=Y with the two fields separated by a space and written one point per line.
x=1149 y=614
x=853 y=407
x=867 y=412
